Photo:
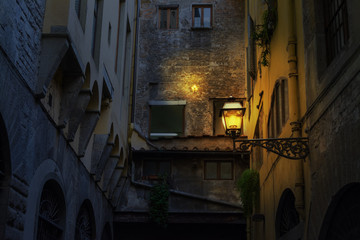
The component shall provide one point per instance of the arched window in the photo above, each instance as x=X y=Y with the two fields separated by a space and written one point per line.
x=286 y=216
x=279 y=109
x=342 y=217
x=80 y=8
x=5 y=173
x=85 y=223
x=52 y=212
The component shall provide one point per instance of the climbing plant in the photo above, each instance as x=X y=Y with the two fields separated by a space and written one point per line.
x=248 y=186
x=159 y=203
x=263 y=32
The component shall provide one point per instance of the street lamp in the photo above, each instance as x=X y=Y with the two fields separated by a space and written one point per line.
x=232 y=116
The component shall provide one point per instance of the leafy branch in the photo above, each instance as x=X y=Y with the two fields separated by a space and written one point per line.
x=263 y=33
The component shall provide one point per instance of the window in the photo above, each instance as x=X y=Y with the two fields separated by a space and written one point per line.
x=109 y=34
x=97 y=23
x=51 y=222
x=279 y=110
x=336 y=27
x=166 y=118
x=80 y=8
x=202 y=16
x=155 y=168
x=251 y=54
x=168 y=17
x=85 y=222
x=218 y=170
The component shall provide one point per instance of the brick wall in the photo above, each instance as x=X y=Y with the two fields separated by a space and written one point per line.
x=171 y=61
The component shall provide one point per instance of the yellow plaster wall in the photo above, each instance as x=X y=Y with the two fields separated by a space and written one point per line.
x=276 y=173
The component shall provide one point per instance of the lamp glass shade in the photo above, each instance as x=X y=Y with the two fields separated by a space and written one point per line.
x=232 y=115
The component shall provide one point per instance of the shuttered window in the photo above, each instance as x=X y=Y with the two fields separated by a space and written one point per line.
x=166 y=120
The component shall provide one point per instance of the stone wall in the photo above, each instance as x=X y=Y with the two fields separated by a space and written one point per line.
x=38 y=150
x=171 y=61
x=333 y=116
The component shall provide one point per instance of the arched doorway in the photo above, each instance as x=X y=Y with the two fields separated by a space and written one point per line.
x=5 y=175
x=342 y=221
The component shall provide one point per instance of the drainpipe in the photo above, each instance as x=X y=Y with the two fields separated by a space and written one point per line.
x=294 y=109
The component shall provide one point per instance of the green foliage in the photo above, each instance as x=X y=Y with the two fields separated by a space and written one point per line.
x=248 y=185
x=263 y=33
x=159 y=203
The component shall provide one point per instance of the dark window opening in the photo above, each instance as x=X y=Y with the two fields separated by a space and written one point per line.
x=51 y=219
x=218 y=170
x=154 y=168
x=336 y=27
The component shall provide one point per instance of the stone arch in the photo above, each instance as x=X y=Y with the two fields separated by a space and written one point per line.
x=85 y=222
x=47 y=170
x=94 y=100
x=77 y=110
x=88 y=123
x=52 y=212
x=106 y=234
x=342 y=220
x=287 y=218
x=111 y=164
x=5 y=175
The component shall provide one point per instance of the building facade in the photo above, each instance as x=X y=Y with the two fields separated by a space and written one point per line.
x=190 y=60
x=309 y=88
x=276 y=106
x=65 y=84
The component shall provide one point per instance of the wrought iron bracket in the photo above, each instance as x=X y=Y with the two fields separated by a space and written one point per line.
x=291 y=148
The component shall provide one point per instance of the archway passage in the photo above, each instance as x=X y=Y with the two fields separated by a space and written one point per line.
x=342 y=220
x=5 y=174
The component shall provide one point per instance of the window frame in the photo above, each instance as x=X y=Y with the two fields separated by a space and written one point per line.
x=336 y=27
x=218 y=169
x=156 y=161
x=279 y=108
x=202 y=6
x=168 y=9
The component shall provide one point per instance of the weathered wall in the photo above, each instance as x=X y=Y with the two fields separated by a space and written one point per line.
x=170 y=62
x=190 y=191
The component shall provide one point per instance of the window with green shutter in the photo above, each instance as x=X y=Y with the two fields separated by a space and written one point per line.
x=166 y=120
